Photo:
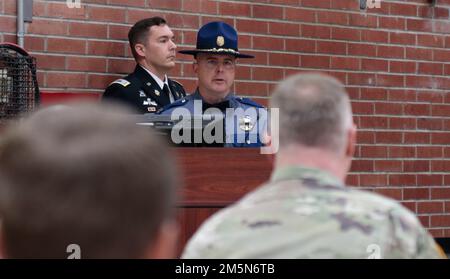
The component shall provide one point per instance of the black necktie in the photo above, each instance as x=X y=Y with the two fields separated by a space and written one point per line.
x=166 y=91
x=222 y=106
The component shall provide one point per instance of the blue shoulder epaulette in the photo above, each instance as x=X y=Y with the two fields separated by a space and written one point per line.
x=249 y=102
x=177 y=103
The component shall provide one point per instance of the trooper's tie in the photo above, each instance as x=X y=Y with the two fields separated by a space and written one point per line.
x=167 y=93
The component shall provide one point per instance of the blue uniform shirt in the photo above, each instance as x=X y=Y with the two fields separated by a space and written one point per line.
x=245 y=120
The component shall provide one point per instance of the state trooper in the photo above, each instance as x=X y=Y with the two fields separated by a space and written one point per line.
x=215 y=65
x=148 y=88
x=305 y=210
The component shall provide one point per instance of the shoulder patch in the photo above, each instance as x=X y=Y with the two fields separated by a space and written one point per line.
x=122 y=82
x=249 y=102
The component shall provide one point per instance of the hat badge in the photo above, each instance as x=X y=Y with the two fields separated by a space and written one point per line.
x=220 y=41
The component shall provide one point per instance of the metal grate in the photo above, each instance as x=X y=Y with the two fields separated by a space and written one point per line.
x=19 y=91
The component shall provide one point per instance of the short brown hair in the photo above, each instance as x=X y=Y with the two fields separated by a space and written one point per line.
x=86 y=175
x=140 y=31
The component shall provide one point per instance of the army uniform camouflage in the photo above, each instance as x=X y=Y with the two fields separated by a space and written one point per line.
x=307 y=213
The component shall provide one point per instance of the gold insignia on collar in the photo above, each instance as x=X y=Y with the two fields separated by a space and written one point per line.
x=220 y=41
x=157 y=93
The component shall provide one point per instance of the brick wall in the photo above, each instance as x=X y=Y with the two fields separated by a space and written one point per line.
x=394 y=60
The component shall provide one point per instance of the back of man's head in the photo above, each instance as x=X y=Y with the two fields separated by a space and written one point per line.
x=83 y=175
x=314 y=112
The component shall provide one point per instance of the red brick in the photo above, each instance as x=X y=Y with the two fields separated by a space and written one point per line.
x=390 y=193
x=390 y=80
x=412 y=137
x=260 y=11
x=122 y=66
x=200 y=6
x=431 y=68
x=429 y=152
x=375 y=36
x=367 y=122
x=87 y=30
x=284 y=29
x=424 y=220
x=298 y=15
x=316 y=31
x=106 y=14
x=362 y=166
x=362 y=50
x=184 y=21
x=163 y=4
x=347 y=34
x=47 y=27
x=389 y=108
x=430 y=207
x=66 y=80
x=402 y=152
x=369 y=151
x=252 y=88
x=268 y=43
x=440 y=193
x=364 y=20
x=34 y=44
x=86 y=64
x=420 y=81
x=66 y=46
x=416 y=166
x=365 y=137
x=361 y=79
x=345 y=63
x=432 y=97
x=418 y=25
x=402 y=180
x=416 y=193
x=402 y=38
x=99 y=81
x=234 y=9
x=373 y=94
x=388 y=137
x=297 y=45
x=387 y=166
x=429 y=180
x=114 y=49
x=440 y=220
x=60 y=10
x=440 y=110
x=135 y=3
x=403 y=9
x=327 y=17
x=373 y=179
x=440 y=166
x=430 y=40
x=374 y=65
x=410 y=205
x=250 y=26
x=50 y=62
x=401 y=95
x=320 y=62
x=390 y=51
x=317 y=4
x=419 y=53
x=417 y=109
x=402 y=123
x=402 y=67
x=392 y=23
x=281 y=59
x=267 y=74
x=429 y=124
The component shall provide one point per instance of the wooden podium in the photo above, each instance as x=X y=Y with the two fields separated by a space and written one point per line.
x=212 y=179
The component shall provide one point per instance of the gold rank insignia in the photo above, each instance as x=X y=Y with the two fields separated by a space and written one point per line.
x=220 y=41
x=157 y=93
x=245 y=123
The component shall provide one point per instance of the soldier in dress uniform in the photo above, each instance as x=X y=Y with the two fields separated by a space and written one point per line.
x=305 y=210
x=148 y=88
x=215 y=65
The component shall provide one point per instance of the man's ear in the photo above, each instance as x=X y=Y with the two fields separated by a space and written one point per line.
x=140 y=49
x=164 y=244
x=195 y=67
x=351 y=141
